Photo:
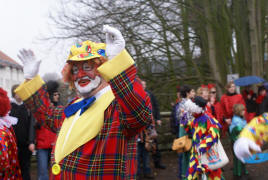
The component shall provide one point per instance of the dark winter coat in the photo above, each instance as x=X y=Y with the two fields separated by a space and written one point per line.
x=24 y=129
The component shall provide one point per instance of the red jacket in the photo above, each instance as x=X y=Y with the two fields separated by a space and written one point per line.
x=45 y=138
x=227 y=103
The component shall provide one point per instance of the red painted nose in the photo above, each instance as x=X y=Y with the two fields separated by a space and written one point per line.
x=82 y=74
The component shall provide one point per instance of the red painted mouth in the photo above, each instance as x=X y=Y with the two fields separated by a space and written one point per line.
x=83 y=82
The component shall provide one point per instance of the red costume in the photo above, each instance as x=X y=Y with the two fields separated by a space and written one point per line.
x=9 y=164
x=112 y=153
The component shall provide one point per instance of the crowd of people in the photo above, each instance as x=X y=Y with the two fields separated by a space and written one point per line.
x=109 y=130
x=210 y=120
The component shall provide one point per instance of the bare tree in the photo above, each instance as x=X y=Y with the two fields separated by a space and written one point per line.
x=172 y=41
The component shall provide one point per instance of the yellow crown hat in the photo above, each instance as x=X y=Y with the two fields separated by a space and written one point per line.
x=86 y=50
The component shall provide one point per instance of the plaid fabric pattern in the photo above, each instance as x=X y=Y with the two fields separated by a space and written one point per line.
x=112 y=153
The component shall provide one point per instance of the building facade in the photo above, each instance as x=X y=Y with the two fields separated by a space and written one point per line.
x=11 y=72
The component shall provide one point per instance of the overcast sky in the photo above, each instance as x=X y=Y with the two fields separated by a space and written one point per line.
x=22 y=22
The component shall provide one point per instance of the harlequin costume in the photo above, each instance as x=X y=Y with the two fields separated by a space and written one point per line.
x=100 y=143
x=235 y=128
x=204 y=130
x=9 y=164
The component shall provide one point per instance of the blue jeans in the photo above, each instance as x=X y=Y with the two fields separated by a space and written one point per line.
x=43 y=158
x=143 y=160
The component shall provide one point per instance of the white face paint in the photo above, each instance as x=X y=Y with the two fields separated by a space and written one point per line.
x=89 y=87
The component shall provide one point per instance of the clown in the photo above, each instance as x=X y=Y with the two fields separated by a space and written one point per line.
x=96 y=133
x=252 y=137
x=9 y=164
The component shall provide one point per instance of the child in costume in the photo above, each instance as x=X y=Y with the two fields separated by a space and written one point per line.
x=9 y=164
x=238 y=123
x=204 y=130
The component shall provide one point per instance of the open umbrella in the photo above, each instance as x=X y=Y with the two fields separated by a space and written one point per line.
x=248 y=80
x=257 y=158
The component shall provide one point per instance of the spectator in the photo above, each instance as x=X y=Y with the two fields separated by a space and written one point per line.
x=9 y=164
x=144 y=169
x=251 y=106
x=157 y=119
x=174 y=122
x=262 y=93
x=238 y=123
x=227 y=102
x=45 y=138
x=247 y=91
x=213 y=106
x=264 y=105
x=24 y=131
x=187 y=93
x=203 y=92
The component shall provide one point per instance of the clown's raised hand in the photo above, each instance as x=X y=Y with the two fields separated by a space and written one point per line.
x=243 y=148
x=115 y=42
x=30 y=64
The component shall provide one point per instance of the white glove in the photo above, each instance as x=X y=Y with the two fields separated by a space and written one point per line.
x=30 y=64
x=243 y=146
x=115 y=42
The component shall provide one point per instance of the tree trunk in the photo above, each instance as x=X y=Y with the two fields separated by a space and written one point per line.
x=256 y=60
x=212 y=46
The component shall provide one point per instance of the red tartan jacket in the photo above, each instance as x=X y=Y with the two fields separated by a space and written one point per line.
x=112 y=153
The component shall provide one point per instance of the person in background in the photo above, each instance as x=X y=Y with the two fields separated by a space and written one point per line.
x=45 y=138
x=174 y=122
x=24 y=131
x=238 y=123
x=247 y=91
x=228 y=100
x=157 y=119
x=9 y=164
x=262 y=94
x=251 y=106
x=187 y=93
x=203 y=91
x=213 y=106
x=143 y=153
